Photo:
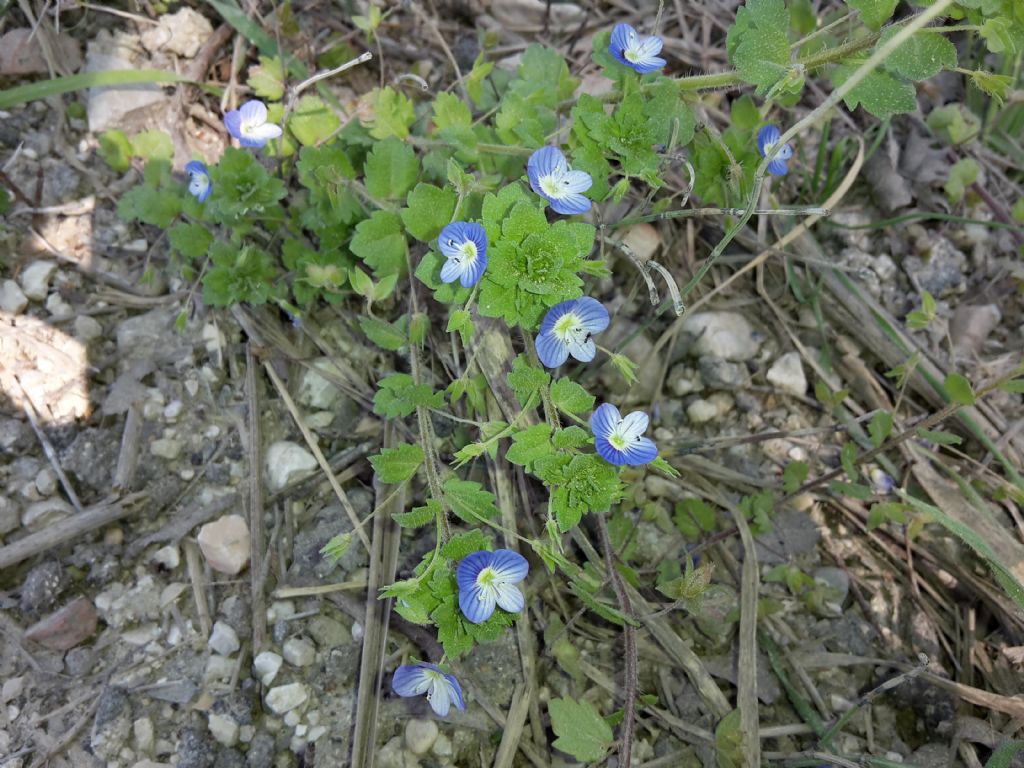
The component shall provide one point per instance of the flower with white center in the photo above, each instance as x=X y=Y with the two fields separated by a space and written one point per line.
x=199 y=184
x=620 y=440
x=464 y=246
x=488 y=579
x=442 y=689
x=636 y=51
x=767 y=138
x=568 y=329
x=249 y=125
x=881 y=482
x=552 y=178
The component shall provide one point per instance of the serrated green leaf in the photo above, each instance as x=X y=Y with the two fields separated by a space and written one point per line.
x=884 y=512
x=939 y=437
x=570 y=437
x=758 y=43
x=462 y=544
x=954 y=123
x=391 y=169
x=428 y=210
x=570 y=397
x=398 y=464
x=152 y=145
x=963 y=173
x=1002 y=35
x=959 y=389
x=382 y=333
x=380 y=242
x=418 y=516
x=924 y=55
x=874 y=13
x=190 y=240
x=267 y=78
x=398 y=395
x=580 y=729
x=530 y=444
x=469 y=501
x=525 y=379
x=794 y=475
x=880 y=427
x=393 y=114
x=461 y=321
x=848 y=459
x=880 y=93
x=994 y=85
x=694 y=517
x=312 y=121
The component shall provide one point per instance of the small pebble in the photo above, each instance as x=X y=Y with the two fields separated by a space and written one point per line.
x=87 y=328
x=266 y=665
x=225 y=544
x=66 y=627
x=787 y=373
x=12 y=299
x=285 y=698
x=223 y=729
x=223 y=639
x=299 y=652
x=420 y=735
x=35 y=279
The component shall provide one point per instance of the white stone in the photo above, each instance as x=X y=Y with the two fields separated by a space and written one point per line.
x=280 y=609
x=316 y=732
x=223 y=729
x=12 y=299
x=166 y=448
x=267 y=665
x=173 y=410
x=44 y=513
x=299 y=652
x=35 y=280
x=46 y=482
x=316 y=390
x=246 y=733
x=287 y=461
x=225 y=544
x=182 y=33
x=702 y=411
x=787 y=373
x=727 y=335
x=285 y=698
x=223 y=639
x=168 y=557
x=218 y=668
x=124 y=107
x=12 y=688
x=292 y=719
x=87 y=328
x=420 y=735
x=443 y=746
x=58 y=308
x=143 y=735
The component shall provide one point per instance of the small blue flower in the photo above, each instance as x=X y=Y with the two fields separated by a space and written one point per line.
x=881 y=481
x=620 y=440
x=442 y=689
x=249 y=125
x=767 y=138
x=199 y=184
x=568 y=329
x=553 y=179
x=487 y=579
x=639 y=52
x=464 y=245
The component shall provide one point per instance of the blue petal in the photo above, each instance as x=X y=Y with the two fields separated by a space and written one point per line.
x=469 y=569
x=592 y=313
x=575 y=182
x=451 y=237
x=768 y=135
x=478 y=235
x=785 y=152
x=778 y=167
x=195 y=166
x=550 y=350
x=450 y=271
x=474 y=272
x=652 y=64
x=640 y=451
x=253 y=112
x=604 y=420
x=509 y=598
x=570 y=204
x=546 y=161
x=477 y=606
x=510 y=566
x=456 y=689
x=409 y=679
x=233 y=122
x=622 y=36
x=553 y=315
x=608 y=452
x=584 y=352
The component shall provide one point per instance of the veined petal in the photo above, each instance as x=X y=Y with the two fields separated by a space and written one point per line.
x=469 y=568
x=451 y=271
x=253 y=112
x=551 y=351
x=477 y=604
x=233 y=122
x=649 y=47
x=642 y=451
x=546 y=161
x=510 y=566
x=410 y=680
x=785 y=152
x=778 y=167
x=584 y=351
x=440 y=697
x=571 y=204
x=604 y=420
x=608 y=452
x=455 y=690
x=472 y=273
x=264 y=132
x=592 y=313
x=553 y=315
x=767 y=136
x=195 y=166
x=623 y=36
x=509 y=598
x=651 y=64
x=576 y=181
x=634 y=425
x=478 y=235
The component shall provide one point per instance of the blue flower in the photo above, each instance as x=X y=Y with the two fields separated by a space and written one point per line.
x=199 y=184
x=249 y=125
x=552 y=179
x=620 y=440
x=568 y=329
x=441 y=688
x=464 y=245
x=881 y=482
x=639 y=52
x=767 y=138
x=487 y=579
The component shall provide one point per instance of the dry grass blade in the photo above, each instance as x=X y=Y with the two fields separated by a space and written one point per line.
x=514 y=723
x=257 y=534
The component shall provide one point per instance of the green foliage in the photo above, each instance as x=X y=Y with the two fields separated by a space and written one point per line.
x=115 y=149
x=924 y=55
x=312 y=121
x=393 y=114
x=192 y=241
x=240 y=274
x=580 y=729
x=874 y=13
x=954 y=123
x=152 y=145
x=922 y=318
x=157 y=201
x=526 y=380
x=959 y=389
x=527 y=115
x=963 y=173
x=570 y=397
x=380 y=242
x=694 y=518
x=469 y=501
x=398 y=395
x=794 y=475
x=245 y=190
x=382 y=333
x=758 y=43
x=880 y=427
x=391 y=169
x=428 y=210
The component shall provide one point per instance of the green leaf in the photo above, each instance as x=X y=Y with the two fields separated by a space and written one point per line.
x=580 y=729
x=886 y=512
x=530 y=444
x=462 y=544
x=963 y=173
x=853 y=490
x=959 y=389
x=924 y=55
x=1003 y=36
x=398 y=464
x=380 y=242
x=245 y=190
x=240 y=274
x=874 y=13
x=994 y=85
x=694 y=517
x=758 y=43
x=880 y=93
x=336 y=548
x=570 y=397
x=570 y=437
x=880 y=427
x=526 y=380
x=267 y=78
x=116 y=150
x=794 y=475
x=190 y=240
x=586 y=484
x=391 y=169
x=418 y=516
x=382 y=333
x=469 y=501
x=1003 y=755
x=939 y=437
x=954 y=123
x=393 y=114
x=398 y=395
x=152 y=145
x=429 y=210
x=461 y=321
x=55 y=86
x=848 y=459
x=312 y=121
